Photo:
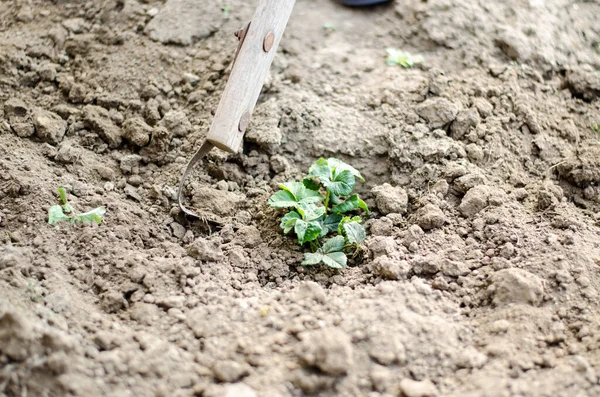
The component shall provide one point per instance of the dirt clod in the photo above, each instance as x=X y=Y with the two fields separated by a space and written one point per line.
x=49 y=126
x=516 y=286
x=412 y=388
x=430 y=217
x=205 y=250
x=216 y=201
x=239 y=390
x=438 y=112
x=113 y=301
x=390 y=268
x=474 y=201
x=181 y=22
x=330 y=350
x=584 y=83
x=465 y=121
x=177 y=123
x=248 y=236
x=136 y=131
x=229 y=371
x=18 y=115
x=77 y=93
x=98 y=120
x=390 y=199
x=15 y=331
x=311 y=291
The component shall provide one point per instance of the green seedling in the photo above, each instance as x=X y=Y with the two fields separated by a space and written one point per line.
x=329 y=27
x=226 y=10
x=319 y=206
x=64 y=212
x=402 y=58
x=596 y=128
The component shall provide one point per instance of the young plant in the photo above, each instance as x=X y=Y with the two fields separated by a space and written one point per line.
x=226 y=10
x=64 y=212
x=404 y=59
x=329 y=27
x=595 y=128
x=318 y=206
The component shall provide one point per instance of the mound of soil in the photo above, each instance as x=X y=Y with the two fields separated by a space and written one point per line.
x=481 y=274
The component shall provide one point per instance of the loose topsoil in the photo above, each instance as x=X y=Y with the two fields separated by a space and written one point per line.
x=482 y=268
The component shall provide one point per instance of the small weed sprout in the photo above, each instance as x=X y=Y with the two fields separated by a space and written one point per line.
x=226 y=10
x=64 y=212
x=404 y=59
x=321 y=205
x=596 y=128
x=329 y=27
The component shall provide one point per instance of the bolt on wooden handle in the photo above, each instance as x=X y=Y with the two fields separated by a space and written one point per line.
x=249 y=73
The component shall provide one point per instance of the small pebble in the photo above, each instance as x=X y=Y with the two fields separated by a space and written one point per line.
x=222 y=185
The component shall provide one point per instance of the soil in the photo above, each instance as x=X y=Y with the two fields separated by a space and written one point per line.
x=482 y=271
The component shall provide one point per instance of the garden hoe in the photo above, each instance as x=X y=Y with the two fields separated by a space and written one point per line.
x=258 y=41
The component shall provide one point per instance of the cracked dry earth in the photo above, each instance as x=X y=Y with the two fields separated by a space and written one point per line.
x=482 y=272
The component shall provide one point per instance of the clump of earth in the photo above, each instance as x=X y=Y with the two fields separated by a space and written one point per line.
x=481 y=271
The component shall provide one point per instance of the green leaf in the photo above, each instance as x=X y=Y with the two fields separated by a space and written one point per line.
x=94 y=215
x=404 y=59
x=312 y=232
x=355 y=232
x=336 y=260
x=288 y=221
x=333 y=164
x=307 y=231
x=311 y=259
x=332 y=221
x=310 y=212
x=364 y=206
x=340 y=166
x=319 y=163
x=342 y=184
x=352 y=203
x=346 y=219
x=330 y=254
x=329 y=227
x=62 y=196
x=333 y=199
x=324 y=230
x=292 y=194
x=311 y=184
x=349 y=205
x=56 y=214
x=301 y=193
x=332 y=245
x=321 y=171
x=339 y=182
x=282 y=199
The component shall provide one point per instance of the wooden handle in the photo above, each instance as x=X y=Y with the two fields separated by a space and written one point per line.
x=249 y=73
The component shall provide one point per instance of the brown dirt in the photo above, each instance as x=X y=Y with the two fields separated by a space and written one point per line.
x=482 y=274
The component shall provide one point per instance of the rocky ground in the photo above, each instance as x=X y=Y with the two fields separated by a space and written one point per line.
x=482 y=270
